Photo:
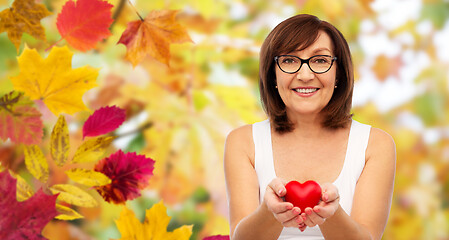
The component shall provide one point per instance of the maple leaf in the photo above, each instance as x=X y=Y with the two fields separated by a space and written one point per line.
x=129 y=173
x=103 y=120
x=153 y=36
x=53 y=80
x=19 y=121
x=23 y=17
x=84 y=23
x=153 y=228
x=23 y=220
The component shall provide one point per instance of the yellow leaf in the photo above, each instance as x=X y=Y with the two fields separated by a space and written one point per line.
x=67 y=213
x=73 y=195
x=60 y=143
x=36 y=163
x=153 y=36
x=128 y=225
x=153 y=228
x=92 y=149
x=23 y=17
x=53 y=80
x=89 y=178
x=24 y=191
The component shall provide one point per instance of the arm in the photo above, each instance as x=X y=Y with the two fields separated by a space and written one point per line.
x=372 y=198
x=248 y=218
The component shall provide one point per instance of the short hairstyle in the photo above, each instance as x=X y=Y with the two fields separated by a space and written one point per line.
x=301 y=31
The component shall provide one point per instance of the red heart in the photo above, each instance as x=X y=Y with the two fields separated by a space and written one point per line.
x=303 y=195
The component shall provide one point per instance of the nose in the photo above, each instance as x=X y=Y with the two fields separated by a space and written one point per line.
x=305 y=74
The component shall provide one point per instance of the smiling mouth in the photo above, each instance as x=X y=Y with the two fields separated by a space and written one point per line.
x=305 y=90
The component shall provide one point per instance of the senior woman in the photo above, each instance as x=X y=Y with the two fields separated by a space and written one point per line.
x=306 y=83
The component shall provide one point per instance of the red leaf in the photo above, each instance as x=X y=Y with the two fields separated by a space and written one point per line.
x=19 y=121
x=217 y=237
x=23 y=220
x=103 y=120
x=84 y=23
x=129 y=173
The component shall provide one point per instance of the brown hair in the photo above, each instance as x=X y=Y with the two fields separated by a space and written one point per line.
x=302 y=31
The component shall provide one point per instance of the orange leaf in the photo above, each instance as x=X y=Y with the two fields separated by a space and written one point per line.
x=385 y=67
x=23 y=17
x=84 y=23
x=153 y=36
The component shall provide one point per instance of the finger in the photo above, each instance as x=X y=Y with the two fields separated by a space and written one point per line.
x=314 y=217
x=292 y=223
x=278 y=187
x=289 y=217
x=302 y=227
x=278 y=207
x=324 y=211
x=307 y=221
x=330 y=192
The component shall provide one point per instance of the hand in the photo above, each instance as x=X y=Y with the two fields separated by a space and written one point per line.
x=330 y=201
x=284 y=212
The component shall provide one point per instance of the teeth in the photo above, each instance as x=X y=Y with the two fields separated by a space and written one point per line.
x=306 y=90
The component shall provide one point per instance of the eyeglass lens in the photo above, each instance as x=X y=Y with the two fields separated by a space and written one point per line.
x=318 y=64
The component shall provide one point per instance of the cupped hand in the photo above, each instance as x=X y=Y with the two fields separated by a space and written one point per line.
x=284 y=212
x=330 y=201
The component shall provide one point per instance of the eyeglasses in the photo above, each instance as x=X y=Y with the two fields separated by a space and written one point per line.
x=317 y=63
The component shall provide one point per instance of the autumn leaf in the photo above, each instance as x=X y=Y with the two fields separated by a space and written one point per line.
x=217 y=237
x=59 y=144
x=23 y=17
x=87 y=177
x=73 y=195
x=19 y=121
x=92 y=149
x=129 y=174
x=385 y=67
x=53 y=80
x=84 y=23
x=23 y=220
x=153 y=228
x=24 y=191
x=36 y=163
x=153 y=36
x=66 y=213
x=103 y=120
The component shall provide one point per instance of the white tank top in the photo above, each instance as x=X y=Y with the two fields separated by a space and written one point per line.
x=345 y=182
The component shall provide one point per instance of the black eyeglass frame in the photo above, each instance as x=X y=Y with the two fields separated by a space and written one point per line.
x=276 y=59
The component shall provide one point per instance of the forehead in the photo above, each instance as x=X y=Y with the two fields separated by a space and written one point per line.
x=322 y=43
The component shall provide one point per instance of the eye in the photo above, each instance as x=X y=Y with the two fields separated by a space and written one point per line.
x=289 y=60
x=321 y=60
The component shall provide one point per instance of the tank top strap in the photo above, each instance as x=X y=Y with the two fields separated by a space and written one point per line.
x=263 y=155
x=357 y=144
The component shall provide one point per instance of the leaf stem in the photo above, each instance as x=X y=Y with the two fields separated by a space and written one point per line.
x=141 y=19
x=117 y=13
x=141 y=128
x=54 y=44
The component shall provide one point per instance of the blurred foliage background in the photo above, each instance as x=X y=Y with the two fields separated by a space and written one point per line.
x=180 y=115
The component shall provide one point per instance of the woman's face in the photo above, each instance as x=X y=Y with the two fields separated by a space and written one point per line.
x=306 y=92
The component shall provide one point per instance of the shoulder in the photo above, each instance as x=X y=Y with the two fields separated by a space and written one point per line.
x=240 y=141
x=240 y=133
x=380 y=143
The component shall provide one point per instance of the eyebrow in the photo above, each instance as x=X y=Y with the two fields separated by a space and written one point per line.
x=317 y=50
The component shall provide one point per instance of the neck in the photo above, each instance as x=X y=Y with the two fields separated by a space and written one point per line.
x=307 y=126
